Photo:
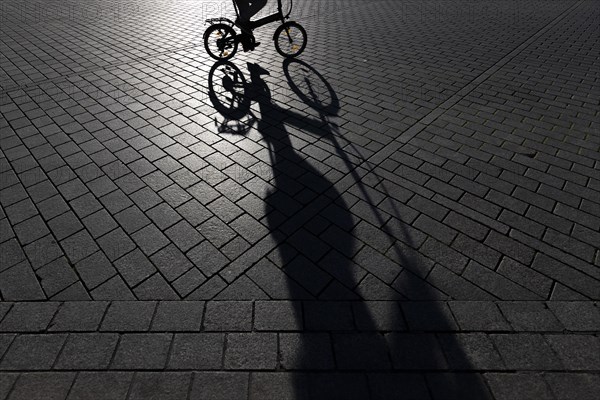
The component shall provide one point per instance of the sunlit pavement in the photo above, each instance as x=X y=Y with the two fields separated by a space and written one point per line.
x=408 y=210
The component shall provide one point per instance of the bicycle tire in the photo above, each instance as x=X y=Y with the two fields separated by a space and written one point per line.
x=294 y=44
x=214 y=45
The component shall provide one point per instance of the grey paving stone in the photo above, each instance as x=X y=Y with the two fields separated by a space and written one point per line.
x=306 y=351
x=228 y=316
x=307 y=274
x=194 y=212
x=415 y=352
x=6 y=383
x=113 y=289
x=470 y=351
x=208 y=289
x=477 y=251
x=171 y=262
x=409 y=386
x=56 y=276
x=101 y=386
x=150 y=239
x=518 y=386
x=328 y=316
x=115 y=244
x=517 y=272
x=197 y=351
x=466 y=225
x=78 y=316
x=566 y=274
x=4 y=307
x=134 y=267
x=21 y=211
x=458 y=386
x=360 y=351
x=577 y=352
x=42 y=251
x=132 y=219
x=478 y=316
x=567 y=386
x=456 y=286
x=75 y=292
x=145 y=198
x=219 y=385
x=429 y=316
x=129 y=183
x=99 y=223
x=509 y=247
x=526 y=352
x=33 y=352
x=189 y=281
x=277 y=316
x=530 y=316
x=29 y=317
x=270 y=385
x=242 y=289
x=5 y=341
x=43 y=386
x=160 y=385
x=123 y=316
x=380 y=266
x=378 y=316
x=184 y=235
x=163 y=215
x=445 y=255
x=10 y=254
x=19 y=283
x=79 y=246
x=335 y=386
x=576 y=316
x=275 y=282
x=173 y=316
x=95 y=269
x=432 y=227
x=72 y=189
x=85 y=205
x=216 y=231
x=31 y=230
x=251 y=351
x=155 y=288
x=141 y=351
x=6 y=232
x=87 y=351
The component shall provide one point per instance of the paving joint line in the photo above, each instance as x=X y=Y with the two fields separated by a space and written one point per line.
x=234 y=270
x=433 y=115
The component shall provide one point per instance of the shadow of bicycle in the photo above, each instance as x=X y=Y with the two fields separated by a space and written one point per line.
x=364 y=342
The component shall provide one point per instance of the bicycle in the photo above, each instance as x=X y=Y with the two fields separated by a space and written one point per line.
x=221 y=40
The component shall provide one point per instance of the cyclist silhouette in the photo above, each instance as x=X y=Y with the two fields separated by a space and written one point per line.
x=246 y=10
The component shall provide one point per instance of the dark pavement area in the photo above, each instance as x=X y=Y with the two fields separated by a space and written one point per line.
x=409 y=210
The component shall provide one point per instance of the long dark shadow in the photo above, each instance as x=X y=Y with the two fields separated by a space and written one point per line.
x=317 y=253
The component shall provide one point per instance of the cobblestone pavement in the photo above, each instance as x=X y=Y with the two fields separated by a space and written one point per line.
x=409 y=210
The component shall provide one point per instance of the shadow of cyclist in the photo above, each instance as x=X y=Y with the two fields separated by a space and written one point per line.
x=312 y=225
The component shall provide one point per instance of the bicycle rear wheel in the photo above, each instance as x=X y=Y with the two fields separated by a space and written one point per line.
x=220 y=41
x=290 y=39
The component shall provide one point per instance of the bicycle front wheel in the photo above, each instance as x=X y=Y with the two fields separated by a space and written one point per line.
x=290 y=39
x=220 y=41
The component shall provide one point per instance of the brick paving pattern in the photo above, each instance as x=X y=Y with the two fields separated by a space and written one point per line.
x=411 y=207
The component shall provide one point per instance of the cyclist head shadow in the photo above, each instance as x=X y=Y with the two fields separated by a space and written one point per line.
x=315 y=259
